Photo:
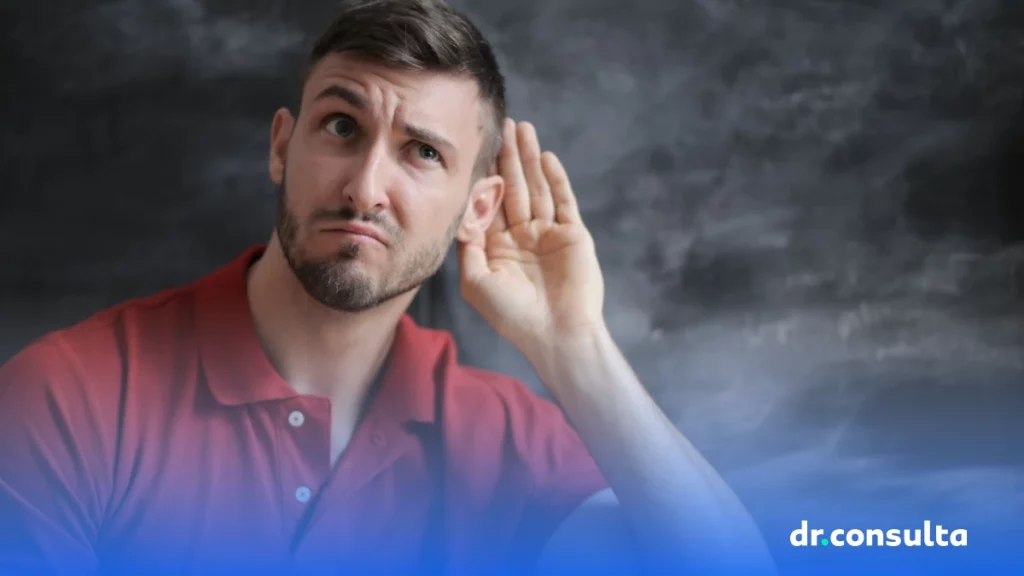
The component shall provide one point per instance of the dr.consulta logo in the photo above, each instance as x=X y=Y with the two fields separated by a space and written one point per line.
x=927 y=536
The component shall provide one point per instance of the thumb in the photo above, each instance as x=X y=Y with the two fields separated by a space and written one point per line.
x=472 y=262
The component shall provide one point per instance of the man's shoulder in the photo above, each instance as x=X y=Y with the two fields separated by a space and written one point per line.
x=478 y=396
x=165 y=313
x=508 y=390
x=467 y=382
x=496 y=420
x=98 y=348
x=148 y=329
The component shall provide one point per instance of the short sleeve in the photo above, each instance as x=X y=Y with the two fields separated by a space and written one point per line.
x=51 y=500
x=562 y=472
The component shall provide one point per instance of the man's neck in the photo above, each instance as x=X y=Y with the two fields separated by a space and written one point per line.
x=316 y=349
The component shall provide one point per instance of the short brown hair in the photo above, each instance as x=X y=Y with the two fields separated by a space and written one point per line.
x=424 y=35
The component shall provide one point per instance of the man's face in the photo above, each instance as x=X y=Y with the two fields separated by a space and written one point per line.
x=375 y=178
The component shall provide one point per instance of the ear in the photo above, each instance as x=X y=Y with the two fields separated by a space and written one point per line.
x=280 y=136
x=484 y=203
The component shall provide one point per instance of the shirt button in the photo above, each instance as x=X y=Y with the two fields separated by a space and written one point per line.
x=303 y=494
x=296 y=419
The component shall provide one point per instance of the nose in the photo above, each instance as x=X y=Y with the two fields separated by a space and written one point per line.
x=367 y=188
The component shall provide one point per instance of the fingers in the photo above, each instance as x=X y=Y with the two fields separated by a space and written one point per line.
x=517 y=197
x=565 y=206
x=542 y=207
x=537 y=186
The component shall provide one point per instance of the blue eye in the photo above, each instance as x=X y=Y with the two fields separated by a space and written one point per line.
x=428 y=153
x=341 y=126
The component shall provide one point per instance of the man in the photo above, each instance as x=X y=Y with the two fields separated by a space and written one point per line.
x=284 y=415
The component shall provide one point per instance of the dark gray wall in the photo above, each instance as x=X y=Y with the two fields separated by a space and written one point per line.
x=809 y=211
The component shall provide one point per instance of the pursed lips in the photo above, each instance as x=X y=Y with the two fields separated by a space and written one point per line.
x=357 y=231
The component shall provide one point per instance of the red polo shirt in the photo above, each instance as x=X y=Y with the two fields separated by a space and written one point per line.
x=155 y=437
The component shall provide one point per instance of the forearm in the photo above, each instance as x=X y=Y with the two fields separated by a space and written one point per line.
x=682 y=513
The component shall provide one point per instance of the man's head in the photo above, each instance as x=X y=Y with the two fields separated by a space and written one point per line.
x=399 y=121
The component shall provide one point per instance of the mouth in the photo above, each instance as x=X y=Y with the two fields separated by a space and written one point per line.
x=356 y=232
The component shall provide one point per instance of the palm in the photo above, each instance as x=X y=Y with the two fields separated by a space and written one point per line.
x=535 y=270
x=533 y=260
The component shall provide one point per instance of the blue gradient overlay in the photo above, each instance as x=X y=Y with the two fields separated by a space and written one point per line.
x=995 y=540
x=991 y=550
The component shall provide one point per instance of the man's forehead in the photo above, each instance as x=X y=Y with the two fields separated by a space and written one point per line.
x=422 y=95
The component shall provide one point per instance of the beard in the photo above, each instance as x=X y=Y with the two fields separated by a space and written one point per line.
x=337 y=281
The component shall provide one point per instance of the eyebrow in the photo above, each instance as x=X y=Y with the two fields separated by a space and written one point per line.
x=336 y=91
x=429 y=137
x=425 y=135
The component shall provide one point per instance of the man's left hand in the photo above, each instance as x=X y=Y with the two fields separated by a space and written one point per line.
x=534 y=275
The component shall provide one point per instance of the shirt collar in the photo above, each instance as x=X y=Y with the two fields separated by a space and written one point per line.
x=238 y=371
